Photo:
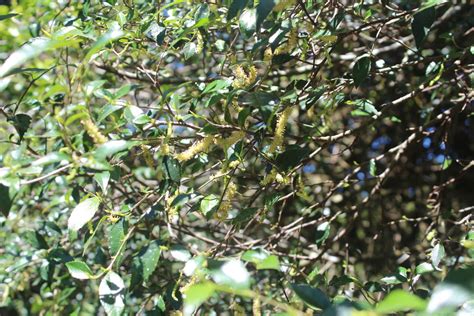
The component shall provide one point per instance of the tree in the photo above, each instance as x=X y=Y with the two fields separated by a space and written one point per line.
x=167 y=157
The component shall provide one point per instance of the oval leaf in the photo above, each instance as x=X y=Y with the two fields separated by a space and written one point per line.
x=111 y=293
x=399 y=301
x=83 y=213
x=437 y=255
x=248 y=22
x=79 y=270
x=312 y=296
x=361 y=70
x=422 y=21
x=144 y=264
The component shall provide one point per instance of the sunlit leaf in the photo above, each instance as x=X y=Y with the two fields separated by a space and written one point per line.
x=399 y=301
x=111 y=35
x=83 y=213
x=112 y=294
x=79 y=270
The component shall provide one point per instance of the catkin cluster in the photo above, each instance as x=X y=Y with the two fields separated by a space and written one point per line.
x=280 y=130
x=147 y=156
x=226 y=202
x=244 y=78
x=200 y=43
x=199 y=147
x=225 y=143
x=275 y=176
x=93 y=131
x=204 y=145
x=292 y=42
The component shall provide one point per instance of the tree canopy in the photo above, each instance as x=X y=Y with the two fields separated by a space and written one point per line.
x=300 y=157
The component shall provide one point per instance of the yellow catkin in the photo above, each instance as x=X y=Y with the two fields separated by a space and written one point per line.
x=238 y=309
x=225 y=143
x=234 y=164
x=275 y=176
x=242 y=78
x=199 y=147
x=256 y=308
x=165 y=149
x=280 y=130
x=291 y=44
x=252 y=75
x=94 y=132
x=172 y=211
x=200 y=42
x=226 y=202
x=267 y=55
x=147 y=156
x=301 y=190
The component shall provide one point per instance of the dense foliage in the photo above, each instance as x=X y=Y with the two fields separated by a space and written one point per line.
x=236 y=157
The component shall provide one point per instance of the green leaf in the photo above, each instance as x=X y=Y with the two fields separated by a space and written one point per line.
x=35 y=239
x=7 y=16
x=180 y=253
x=79 y=270
x=262 y=259
x=208 y=205
x=424 y=267
x=92 y=86
x=342 y=280
x=456 y=289
x=123 y=91
x=372 y=168
x=198 y=294
x=22 y=123
x=181 y=199
x=50 y=158
x=322 y=233
x=83 y=213
x=314 y=297
x=437 y=254
x=189 y=50
x=364 y=108
x=264 y=8
x=361 y=70
x=111 y=35
x=396 y=278
x=270 y=263
x=29 y=51
x=172 y=168
x=116 y=236
x=291 y=157
x=216 y=86
x=6 y=200
x=232 y=273
x=102 y=179
x=245 y=215
x=106 y=111
x=156 y=33
x=235 y=8
x=145 y=263
x=112 y=147
x=248 y=22
x=112 y=294
x=421 y=24
x=400 y=301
